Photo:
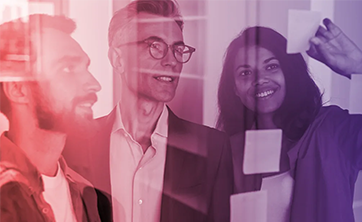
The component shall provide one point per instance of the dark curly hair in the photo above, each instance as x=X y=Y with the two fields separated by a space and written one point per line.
x=302 y=100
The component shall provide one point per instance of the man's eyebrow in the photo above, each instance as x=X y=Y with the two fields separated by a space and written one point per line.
x=72 y=59
x=160 y=39
x=179 y=43
x=154 y=38
x=268 y=60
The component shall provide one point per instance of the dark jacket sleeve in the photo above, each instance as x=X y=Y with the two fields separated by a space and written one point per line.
x=346 y=129
x=224 y=185
x=104 y=204
x=17 y=205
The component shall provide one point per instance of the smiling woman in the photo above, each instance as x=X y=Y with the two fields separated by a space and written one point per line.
x=258 y=58
x=263 y=87
x=259 y=83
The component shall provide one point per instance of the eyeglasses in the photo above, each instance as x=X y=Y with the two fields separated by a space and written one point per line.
x=158 y=49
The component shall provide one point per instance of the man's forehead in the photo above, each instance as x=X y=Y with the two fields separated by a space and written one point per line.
x=54 y=38
x=55 y=48
x=154 y=25
x=57 y=44
x=148 y=18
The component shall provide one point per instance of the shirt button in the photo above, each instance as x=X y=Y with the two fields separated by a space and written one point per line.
x=140 y=201
x=45 y=210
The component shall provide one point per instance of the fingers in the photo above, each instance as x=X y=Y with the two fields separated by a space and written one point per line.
x=328 y=33
x=332 y=28
x=324 y=34
x=318 y=49
x=312 y=52
x=318 y=40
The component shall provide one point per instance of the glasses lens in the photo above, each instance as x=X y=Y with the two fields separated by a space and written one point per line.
x=158 y=49
x=182 y=53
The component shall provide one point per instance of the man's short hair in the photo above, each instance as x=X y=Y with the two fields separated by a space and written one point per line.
x=17 y=49
x=122 y=18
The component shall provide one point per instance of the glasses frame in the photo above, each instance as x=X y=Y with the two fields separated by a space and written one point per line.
x=149 y=42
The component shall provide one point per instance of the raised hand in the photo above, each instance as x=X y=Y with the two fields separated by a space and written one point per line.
x=333 y=48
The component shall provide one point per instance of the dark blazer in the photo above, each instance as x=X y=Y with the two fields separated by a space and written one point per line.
x=198 y=177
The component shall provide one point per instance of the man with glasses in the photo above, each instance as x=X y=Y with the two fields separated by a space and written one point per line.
x=156 y=166
x=158 y=49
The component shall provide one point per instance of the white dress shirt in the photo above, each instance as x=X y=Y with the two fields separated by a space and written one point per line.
x=137 y=177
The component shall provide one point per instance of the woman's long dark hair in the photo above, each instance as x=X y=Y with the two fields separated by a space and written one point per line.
x=302 y=100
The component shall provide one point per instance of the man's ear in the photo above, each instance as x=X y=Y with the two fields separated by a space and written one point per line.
x=17 y=92
x=116 y=59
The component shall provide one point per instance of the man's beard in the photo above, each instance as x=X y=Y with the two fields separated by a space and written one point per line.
x=65 y=121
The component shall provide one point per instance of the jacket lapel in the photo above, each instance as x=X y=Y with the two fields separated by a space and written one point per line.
x=182 y=185
x=100 y=158
x=174 y=156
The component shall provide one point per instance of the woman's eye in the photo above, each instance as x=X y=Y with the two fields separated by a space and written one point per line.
x=272 y=67
x=245 y=73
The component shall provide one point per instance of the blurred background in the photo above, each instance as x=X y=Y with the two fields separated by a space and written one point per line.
x=210 y=25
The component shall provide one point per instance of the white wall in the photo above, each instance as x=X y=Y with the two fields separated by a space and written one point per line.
x=92 y=18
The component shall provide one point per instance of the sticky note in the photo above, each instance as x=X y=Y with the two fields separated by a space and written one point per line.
x=249 y=207
x=302 y=26
x=262 y=151
x=280 y=193
x=355 y=102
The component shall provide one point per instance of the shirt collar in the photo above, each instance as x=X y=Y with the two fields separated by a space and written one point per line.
x=161 y=125
x=118 y=124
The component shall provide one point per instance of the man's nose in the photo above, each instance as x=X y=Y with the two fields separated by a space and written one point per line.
x=92 y=84
x=169 y=60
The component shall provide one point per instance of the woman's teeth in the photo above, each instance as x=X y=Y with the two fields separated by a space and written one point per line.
x=264 y=94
